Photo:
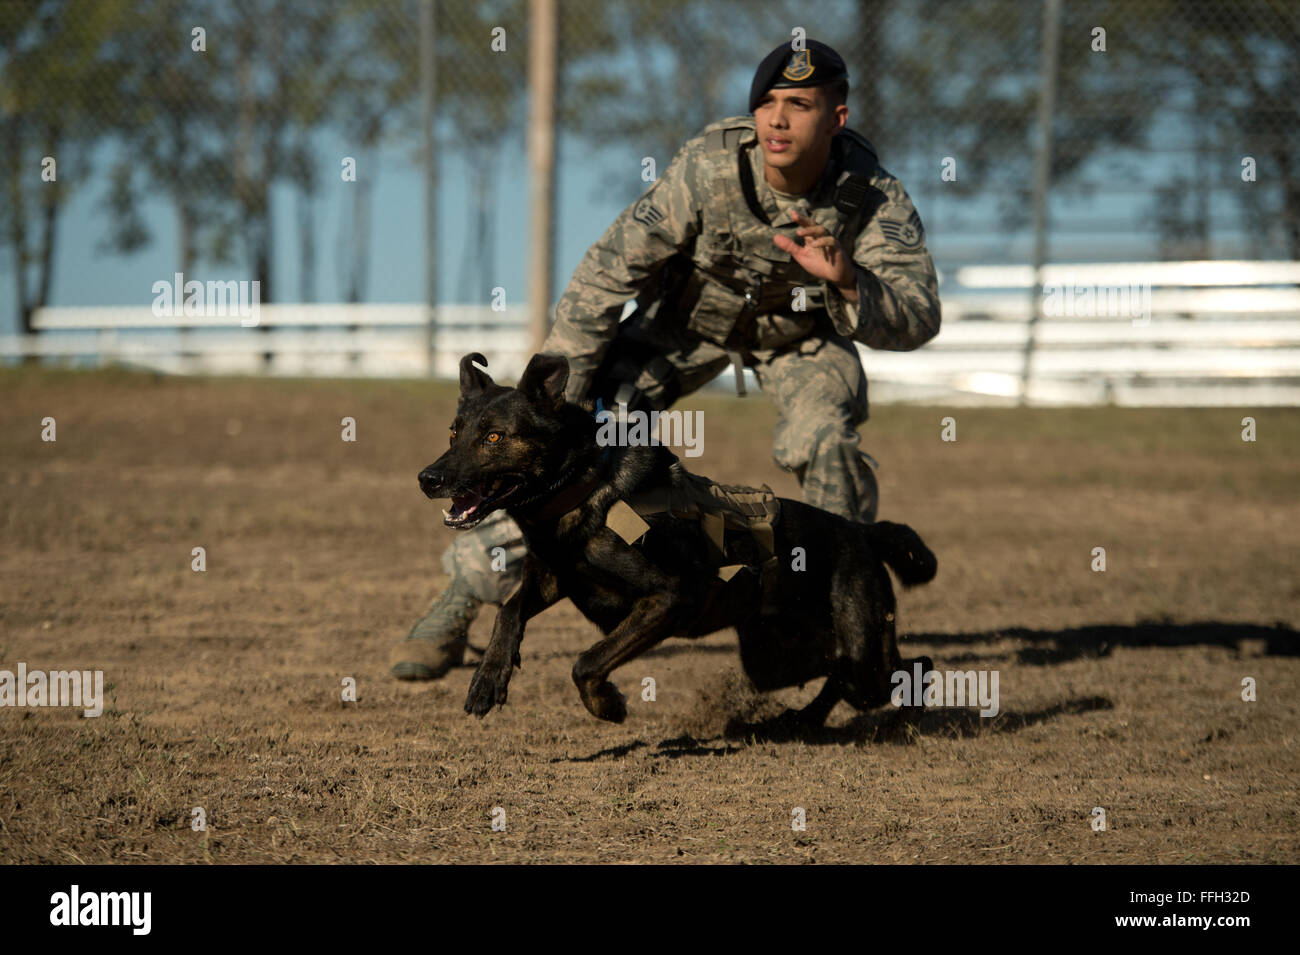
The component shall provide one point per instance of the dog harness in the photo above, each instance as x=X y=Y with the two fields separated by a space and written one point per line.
x=718 y=508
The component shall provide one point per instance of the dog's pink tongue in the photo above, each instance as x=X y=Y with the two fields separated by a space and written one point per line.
x=466 y=503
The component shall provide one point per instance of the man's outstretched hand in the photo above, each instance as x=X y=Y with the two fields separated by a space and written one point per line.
x=821 y=255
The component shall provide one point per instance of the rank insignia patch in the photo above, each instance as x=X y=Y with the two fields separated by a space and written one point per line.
x=647 y=212
x=909 y=234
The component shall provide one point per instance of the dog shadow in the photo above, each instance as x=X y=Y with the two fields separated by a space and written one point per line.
x=670 y=748
x=1048 y=647
x=905 y=725
x=898 y=726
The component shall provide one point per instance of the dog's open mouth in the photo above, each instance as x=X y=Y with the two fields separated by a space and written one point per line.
x=479 y=500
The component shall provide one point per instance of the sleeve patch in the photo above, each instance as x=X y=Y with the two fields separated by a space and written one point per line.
x=647 y=213
x=908 y=235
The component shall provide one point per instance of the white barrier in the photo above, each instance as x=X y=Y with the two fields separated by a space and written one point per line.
x=1203 y=344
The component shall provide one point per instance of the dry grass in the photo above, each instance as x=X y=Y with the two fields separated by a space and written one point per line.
x=226 y=684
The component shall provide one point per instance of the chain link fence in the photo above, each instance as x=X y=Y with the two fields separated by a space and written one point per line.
x=1175 y=130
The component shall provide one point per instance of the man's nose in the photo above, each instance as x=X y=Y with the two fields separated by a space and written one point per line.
x=431 y=479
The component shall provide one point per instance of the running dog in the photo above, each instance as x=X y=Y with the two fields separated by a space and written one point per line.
x=806 y=590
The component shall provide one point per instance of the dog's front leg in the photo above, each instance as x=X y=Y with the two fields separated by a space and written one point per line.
x=537 y=590
x=652 y=620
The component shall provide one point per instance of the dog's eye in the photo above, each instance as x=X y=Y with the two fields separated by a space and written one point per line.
x=493 y=437
x=451 y=437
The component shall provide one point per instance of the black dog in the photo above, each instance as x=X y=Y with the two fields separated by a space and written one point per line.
x=828 y=610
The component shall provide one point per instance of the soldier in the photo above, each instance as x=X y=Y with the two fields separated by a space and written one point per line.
x=773 y=241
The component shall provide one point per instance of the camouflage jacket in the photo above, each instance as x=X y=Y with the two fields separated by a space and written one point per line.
x=694 y=241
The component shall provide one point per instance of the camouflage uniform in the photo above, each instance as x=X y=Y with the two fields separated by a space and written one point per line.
x=716 y=289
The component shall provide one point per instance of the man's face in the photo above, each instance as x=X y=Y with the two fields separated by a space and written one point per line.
x=795 y=126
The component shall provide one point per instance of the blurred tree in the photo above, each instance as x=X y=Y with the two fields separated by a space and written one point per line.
x=1185 y=89
x=484 y=101
x=57 y=74
x=373 y=94
x=966 y=77
x=653 y=75
x=312 y=85
x=169 y=120
x=213 y=129
x=1243 y=63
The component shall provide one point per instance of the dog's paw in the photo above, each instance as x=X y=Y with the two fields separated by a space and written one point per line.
x=782 y=728
x=489 y=687
x=605 y=702
x=786 y=725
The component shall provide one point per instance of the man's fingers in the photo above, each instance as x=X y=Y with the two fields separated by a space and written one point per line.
x=825 y=243
x=786 y=244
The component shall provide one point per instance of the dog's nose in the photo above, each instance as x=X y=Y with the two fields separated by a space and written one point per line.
x=430 y=481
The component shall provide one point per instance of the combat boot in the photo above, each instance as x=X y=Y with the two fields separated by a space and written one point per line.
x=438 y=640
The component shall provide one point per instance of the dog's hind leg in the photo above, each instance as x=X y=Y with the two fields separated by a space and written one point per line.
x=652 y=620
x=815 y=713
x=812 y=717
x=866 y=639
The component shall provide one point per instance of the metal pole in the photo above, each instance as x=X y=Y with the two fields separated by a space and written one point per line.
x=428 y=97
x=1048 y=69
x=541 y=162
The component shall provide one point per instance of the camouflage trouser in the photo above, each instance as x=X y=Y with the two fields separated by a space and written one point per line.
x=820 y=392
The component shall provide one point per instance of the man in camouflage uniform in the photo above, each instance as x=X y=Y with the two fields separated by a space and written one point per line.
x=739 y=254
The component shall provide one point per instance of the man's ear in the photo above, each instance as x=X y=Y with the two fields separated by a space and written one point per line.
x=473 y=379
x=544 y=380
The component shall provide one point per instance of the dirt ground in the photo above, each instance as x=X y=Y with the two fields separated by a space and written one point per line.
x=1119 y=689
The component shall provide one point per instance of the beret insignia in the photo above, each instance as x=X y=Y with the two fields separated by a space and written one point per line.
x=784 y=68
x=800 y=66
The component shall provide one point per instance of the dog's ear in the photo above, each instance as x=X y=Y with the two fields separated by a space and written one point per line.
x=473 y=379
x=544 y=380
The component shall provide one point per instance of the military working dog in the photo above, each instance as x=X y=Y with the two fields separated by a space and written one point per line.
x=806 y=590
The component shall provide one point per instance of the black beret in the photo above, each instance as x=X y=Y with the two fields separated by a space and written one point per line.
x=785 y=68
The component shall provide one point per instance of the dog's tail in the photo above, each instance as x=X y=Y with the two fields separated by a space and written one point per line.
x=903 y=550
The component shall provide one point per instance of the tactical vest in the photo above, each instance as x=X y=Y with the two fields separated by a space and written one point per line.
x=718 y=508
x=740 y=283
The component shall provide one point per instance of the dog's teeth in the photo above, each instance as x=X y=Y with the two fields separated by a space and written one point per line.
x=446 y=514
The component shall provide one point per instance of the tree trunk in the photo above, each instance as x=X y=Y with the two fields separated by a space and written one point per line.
x=49 y=225
x=185 y=231
x=359 y=261
x=50 y=220
x=875 y=125
x=306 y=246
x=18 y=226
